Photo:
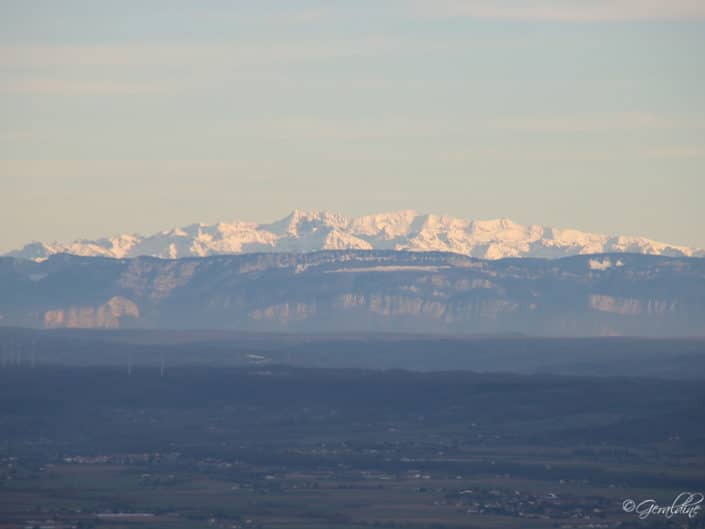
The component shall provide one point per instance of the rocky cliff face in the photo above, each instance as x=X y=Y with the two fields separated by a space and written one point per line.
x=361 y=290
x=109 y=315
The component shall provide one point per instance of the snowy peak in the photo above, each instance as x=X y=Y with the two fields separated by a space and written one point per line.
x=300 y=222
x=389 y=225
x=305 y=231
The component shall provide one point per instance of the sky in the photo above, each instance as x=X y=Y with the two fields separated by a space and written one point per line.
x=142 y=115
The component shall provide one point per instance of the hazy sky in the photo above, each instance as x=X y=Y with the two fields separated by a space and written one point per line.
x=135 y=116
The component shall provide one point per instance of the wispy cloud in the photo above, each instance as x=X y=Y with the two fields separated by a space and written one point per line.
x=672 y=153
x=54 y=86
x=303 y=16
x=309 y=128
x=564 y=10
x=151 y=68
x=596 y=122
x=148 y=54
x=15 y=135
x=676 y=152
x=20 y=170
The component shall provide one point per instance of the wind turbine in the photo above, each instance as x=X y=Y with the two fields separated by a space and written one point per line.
x=18 y=352
x=32 y=349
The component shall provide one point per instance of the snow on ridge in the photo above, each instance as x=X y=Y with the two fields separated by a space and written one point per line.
x=303 y=231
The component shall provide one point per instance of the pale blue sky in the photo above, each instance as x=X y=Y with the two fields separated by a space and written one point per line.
x=135 y=116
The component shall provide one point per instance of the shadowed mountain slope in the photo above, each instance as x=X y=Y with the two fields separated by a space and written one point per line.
x=361 y=291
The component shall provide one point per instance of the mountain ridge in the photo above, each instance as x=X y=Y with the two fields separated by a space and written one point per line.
x=361 y=290
x=405 y=230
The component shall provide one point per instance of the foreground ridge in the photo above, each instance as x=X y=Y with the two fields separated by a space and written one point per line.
x=361 y=290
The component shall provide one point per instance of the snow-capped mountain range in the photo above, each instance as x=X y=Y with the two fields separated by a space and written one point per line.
x=304 y=231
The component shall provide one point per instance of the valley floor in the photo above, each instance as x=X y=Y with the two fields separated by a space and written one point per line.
x=281 y=447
